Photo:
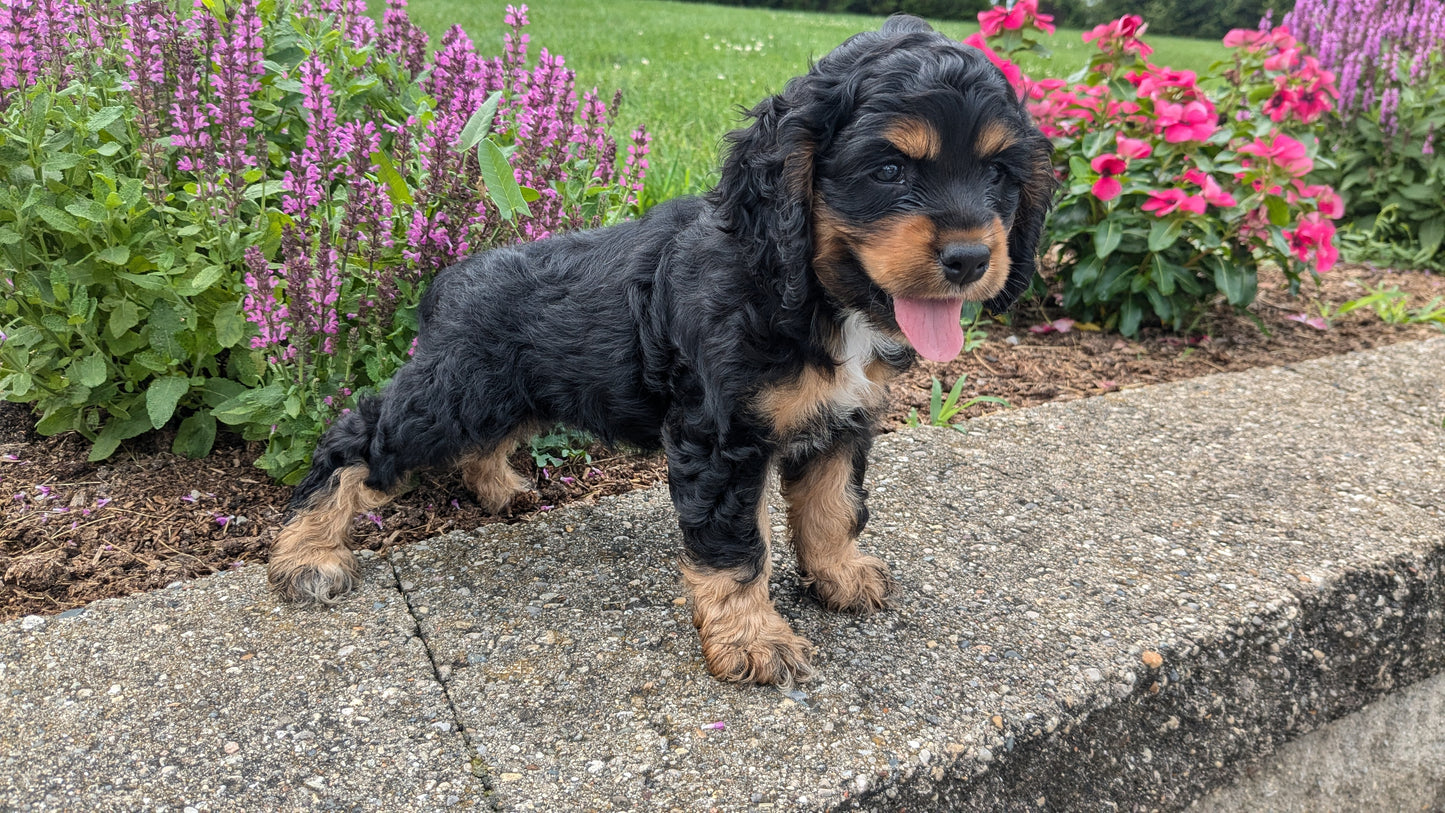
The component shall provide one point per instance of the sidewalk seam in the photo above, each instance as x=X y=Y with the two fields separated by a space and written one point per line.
x=472 y=768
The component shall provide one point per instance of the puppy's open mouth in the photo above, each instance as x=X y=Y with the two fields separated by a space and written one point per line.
x=932 y=326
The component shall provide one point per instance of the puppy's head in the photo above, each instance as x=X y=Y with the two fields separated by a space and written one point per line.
x=907 y=175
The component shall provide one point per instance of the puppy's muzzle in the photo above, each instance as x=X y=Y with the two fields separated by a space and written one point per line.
x=964 y=263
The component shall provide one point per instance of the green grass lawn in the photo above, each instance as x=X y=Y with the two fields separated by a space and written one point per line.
x=686 y=68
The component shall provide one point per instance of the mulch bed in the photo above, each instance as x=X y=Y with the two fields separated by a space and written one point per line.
x=72 y=531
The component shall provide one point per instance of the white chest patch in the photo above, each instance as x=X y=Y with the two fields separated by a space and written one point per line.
x=860 y=347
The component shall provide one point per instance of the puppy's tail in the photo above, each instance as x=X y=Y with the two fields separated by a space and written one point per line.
x=347 y=443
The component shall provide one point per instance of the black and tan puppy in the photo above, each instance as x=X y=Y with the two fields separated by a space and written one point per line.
x=749 y=330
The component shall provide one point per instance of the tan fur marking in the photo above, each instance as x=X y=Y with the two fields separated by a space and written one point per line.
x=915 y=138
x=993 y=138
x=310 y=560
x=491 y=478
x=822 y=510
x=743 y=637
x=879 y=372
x=792 y=404
x=901 y=256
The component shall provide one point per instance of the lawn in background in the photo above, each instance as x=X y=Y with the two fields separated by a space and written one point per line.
x=686 y=68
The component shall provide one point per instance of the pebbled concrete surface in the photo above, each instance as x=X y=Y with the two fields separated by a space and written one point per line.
x=1118 y=602
x=209 y=696
x=1390 y=755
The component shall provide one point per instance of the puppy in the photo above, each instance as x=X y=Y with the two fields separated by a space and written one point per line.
x=749 y=330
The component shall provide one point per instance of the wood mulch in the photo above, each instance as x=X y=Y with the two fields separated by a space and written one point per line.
x=72 y=531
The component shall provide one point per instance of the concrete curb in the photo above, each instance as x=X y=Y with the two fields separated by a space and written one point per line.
x=1122 y=601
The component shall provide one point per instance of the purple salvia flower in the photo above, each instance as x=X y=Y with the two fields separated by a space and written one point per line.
x=234 y=81
x=19 y=59
x=634 y=171
x=191 y=128
x=151 y=24
x=261 y=305
x=401 y=37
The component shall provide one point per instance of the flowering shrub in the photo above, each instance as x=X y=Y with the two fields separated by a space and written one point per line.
x=1392 y=104
x=229 y=217
x=1176 y=189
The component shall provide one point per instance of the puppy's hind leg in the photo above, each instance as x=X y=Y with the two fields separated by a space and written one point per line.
x=490 y=477
x=310 y=561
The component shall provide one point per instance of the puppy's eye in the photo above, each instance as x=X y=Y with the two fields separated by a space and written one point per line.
x=995 y=174
x=889 y=173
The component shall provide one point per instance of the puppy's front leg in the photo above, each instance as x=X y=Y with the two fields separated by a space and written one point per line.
x=825 y=516
x=718 y=492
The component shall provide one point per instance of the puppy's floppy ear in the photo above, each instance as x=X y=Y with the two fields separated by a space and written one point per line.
x=764 y=195
x=1036 y=197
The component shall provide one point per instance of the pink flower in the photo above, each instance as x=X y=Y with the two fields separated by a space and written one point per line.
x=1191 y=121
x=1282 y=151
x=1314 y=234
x=1132 y=147
x=1011 y=71
x=1158 y=82
x=1108 y=166
x=1213 y=194
x=1168 y=201
x=1327 y=200
x=1316 y=322
x=1243 y=36
x=999 y=19
x=1121 y=36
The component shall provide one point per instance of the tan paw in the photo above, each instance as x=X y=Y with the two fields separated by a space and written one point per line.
x=774 y=656
x=860 y=585
x=314 y=582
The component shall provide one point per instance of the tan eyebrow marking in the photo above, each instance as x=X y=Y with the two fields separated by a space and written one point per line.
x=994 y=138
x=915 y=138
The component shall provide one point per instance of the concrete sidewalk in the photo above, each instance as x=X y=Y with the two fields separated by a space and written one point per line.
x=1125 y=600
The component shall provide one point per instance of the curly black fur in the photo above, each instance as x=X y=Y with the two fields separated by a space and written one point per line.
x=664 y=331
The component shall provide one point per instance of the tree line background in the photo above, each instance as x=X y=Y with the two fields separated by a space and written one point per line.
x=1209 y=19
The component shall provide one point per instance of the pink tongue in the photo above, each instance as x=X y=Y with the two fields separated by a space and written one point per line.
x=931 y=325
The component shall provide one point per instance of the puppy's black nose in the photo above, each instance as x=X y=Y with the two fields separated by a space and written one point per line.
x=964 y=263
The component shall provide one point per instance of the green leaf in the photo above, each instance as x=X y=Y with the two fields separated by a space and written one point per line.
x=501 y=184
x=58 y=220
x=1130 y=315
x=395 y=184
x=116 y=430
x=103 y=118
x=162 y=396
x=146 y=282
x=202 y=281
x=123 y=317
x=1086 y=272
x=1278 y=210
x=1164 y=233
x=230 y=325
x=115 y=255
x=1238 y=284
x=248 y=404
x=130 y=192
x=480 y=123
x=89 y=210
x=1432 y=233
x=165 y=323
x=1163 y=276
x=58 y=420
x=196 y=436
x=1107 y=237
x=91 y=370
